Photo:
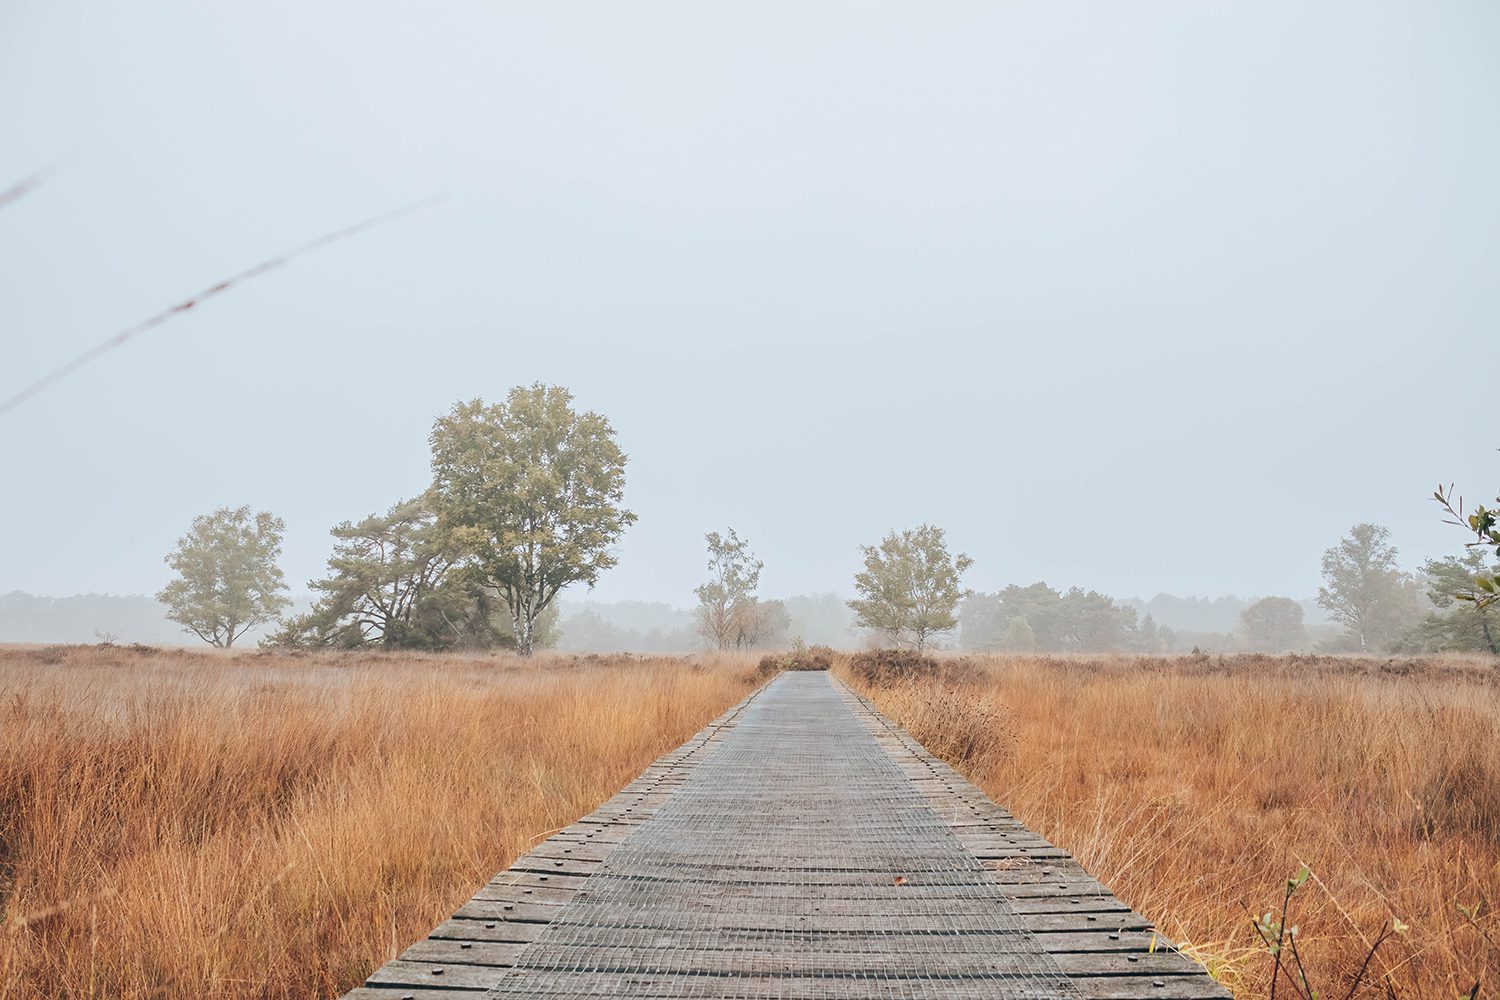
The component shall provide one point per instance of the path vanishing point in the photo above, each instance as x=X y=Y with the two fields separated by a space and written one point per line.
x=802 y=845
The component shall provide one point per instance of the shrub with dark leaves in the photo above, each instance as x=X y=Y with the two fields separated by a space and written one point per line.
x=812 y=658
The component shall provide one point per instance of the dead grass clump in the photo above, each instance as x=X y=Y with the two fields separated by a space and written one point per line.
x=1194 y=787
x=183 y=824
x=894 y=667
x=885 y=667
x=811 y=658
x=967 y=732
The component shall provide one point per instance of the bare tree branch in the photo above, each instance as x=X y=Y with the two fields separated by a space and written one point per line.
x=123 y=336
x=21 y=188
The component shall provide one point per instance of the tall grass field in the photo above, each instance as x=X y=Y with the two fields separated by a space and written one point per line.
x=177 y=824
x=182 y=825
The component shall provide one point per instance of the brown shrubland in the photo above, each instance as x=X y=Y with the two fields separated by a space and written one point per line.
x=177 y=824
x=1195 y=787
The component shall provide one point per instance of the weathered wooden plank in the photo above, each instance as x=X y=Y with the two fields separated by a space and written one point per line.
x=1154 y=964
x=547 y=868
x=435 y=975
x=1189 y=987
x=868 y=956
x=1070 y=904
x=493 y=892
x=1091 y=988
x=660 y=986
x=507 y=912
x=538 y=880
x=409 y=993
x=450 y=952
x=1069 y=942
x=1051 y=890
x=1056 y=942
x=1030 y=874
x=487 y=930
x=1048 y=923
x=563 y=850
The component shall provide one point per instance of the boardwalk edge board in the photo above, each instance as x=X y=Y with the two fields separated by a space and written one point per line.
x=1103 y=949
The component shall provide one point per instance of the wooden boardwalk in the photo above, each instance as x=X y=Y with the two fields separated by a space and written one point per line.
x=802 y=845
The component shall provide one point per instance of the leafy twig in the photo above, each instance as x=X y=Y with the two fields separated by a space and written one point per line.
x=1485 y=523
x=1279 y=939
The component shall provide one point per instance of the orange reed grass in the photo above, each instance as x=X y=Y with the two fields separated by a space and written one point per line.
x=1194 y=788
x=178 y=825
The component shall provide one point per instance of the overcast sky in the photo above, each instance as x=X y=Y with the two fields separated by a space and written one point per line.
x=1143 y=297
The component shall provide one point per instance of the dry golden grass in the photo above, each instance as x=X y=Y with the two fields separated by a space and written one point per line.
x=1195 y=788
x=178 y=825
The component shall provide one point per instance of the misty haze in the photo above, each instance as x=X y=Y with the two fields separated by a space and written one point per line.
x=840 y=500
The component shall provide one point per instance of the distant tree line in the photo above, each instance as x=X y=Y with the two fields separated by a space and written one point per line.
x=84 y=618
x=526 y=500
x=1039 y=618
x=910 y=592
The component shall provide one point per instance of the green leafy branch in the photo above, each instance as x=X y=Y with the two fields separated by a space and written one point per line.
x=1484 y=522
x=1280 y=941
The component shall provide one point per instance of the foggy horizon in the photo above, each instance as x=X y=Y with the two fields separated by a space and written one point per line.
x=1144 y=302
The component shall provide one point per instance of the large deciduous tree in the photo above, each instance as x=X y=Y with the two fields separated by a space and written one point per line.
x=531 y=490
x=730 y=615
x=910 y=587
x=1090 y=622
x=1365 y=590
x=1273 y=625
x=227 y=578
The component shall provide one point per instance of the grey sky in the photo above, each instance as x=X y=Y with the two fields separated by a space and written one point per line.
x=1140 y=297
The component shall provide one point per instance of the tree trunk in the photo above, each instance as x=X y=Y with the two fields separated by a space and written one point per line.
x=525 y=631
